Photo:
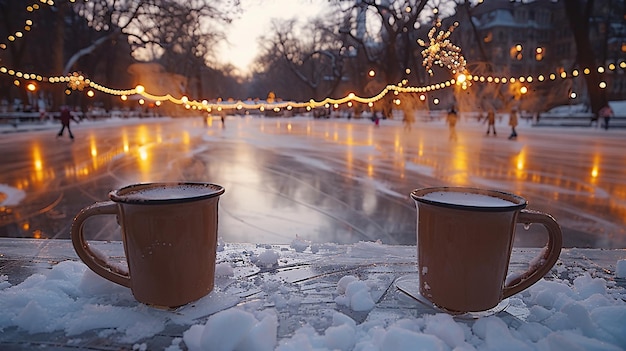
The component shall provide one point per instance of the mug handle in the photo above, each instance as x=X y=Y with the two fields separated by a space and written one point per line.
x=96 y=261
x=543 y=263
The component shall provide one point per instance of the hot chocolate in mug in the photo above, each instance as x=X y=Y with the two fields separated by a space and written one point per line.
x=464 y=242
x=169 y=231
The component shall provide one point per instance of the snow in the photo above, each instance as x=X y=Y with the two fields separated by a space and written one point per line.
x=354 y=293
x=584 y=314
x=621 y=269
x=267 y=258
x=13 y=196
x=618 y=107
x=299 y=244
x=234 y=329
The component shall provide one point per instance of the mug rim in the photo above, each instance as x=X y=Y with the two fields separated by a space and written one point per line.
x=517 y=202
x=119 y=195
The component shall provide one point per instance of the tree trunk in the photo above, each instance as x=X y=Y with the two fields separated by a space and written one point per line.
x=57 y=54
x=579 y=23
x=479 y=40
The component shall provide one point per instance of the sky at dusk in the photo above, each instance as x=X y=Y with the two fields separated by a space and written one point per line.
x=256 y=20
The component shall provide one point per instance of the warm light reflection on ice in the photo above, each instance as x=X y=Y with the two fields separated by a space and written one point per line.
x=460 y=170
x=329 y=160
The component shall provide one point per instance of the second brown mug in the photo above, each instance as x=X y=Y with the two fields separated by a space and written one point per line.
x=465 y=240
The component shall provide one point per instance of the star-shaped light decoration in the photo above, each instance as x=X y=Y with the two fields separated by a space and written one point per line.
x=440 y=51
x=77 y=82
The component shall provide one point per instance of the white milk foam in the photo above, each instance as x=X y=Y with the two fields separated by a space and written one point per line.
x=467 y=199
x=180 y=191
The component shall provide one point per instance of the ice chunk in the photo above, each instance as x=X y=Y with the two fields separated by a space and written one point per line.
x=612 y=320
x=586 y=286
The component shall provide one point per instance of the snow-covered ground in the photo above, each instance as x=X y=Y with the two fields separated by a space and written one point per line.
x=346 y=300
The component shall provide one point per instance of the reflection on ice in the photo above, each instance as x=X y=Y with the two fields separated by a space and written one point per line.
x=325 y=180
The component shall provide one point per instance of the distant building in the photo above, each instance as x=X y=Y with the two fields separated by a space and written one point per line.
x=532 y=38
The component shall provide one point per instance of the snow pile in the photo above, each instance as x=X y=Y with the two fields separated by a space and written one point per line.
x=72 y=299
x=299 y=244
x=587 y=314
x=266 y=259
x=562 y=317
x=354 y=294
x=234 y=329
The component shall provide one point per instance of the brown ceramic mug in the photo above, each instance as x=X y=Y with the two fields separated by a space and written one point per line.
x=464 y=242
x=169 y=231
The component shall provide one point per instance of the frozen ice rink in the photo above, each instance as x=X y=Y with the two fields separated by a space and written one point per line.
x=324 y=180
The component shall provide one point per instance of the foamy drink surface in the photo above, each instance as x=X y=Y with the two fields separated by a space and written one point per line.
x=467 y=199
x=170 y=192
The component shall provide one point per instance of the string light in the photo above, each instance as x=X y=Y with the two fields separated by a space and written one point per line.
x=439 y=51
x=462 y=79
x=27 y=24
x=77 y=82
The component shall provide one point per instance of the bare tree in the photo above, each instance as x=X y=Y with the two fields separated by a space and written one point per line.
x=314 y=59
x=98 y=37
x=155 y=25
x=384 y=34
x=386 y=31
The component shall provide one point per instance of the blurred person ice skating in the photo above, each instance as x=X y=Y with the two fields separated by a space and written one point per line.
x=65 y=118
x=491 y=122
x=606 y=113
x=407 y=120
x=513 y=124
x=451 y=119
